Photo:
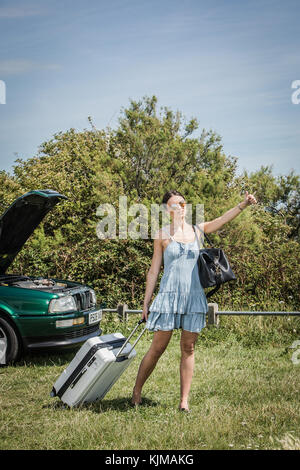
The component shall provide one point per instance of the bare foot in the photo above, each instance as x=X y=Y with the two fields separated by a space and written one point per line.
x=184 y=405
x=136 y=398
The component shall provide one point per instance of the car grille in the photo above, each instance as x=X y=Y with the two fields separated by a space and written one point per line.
x=83 y=300
x=41 y=341
x=81 y=332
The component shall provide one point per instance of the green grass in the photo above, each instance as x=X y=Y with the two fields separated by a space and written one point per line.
x=244 y=396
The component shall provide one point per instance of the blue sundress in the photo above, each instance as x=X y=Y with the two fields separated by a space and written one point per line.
x=181 y=300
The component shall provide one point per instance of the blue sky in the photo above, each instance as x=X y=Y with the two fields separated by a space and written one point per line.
x=228 y=63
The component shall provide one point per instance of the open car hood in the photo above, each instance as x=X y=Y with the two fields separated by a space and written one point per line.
x=21 y=219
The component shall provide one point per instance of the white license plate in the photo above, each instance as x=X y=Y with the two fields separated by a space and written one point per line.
x=94 y=317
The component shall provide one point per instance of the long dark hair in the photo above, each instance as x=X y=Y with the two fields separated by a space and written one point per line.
x=169 y=194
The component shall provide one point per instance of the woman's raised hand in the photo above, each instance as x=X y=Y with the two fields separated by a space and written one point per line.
x=249 y=199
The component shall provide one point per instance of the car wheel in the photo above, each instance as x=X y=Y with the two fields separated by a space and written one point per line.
x=10 y=347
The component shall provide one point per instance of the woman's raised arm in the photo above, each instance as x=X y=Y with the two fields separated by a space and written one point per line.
x=216 y=224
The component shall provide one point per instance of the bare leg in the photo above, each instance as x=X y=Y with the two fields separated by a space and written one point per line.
x=159 y=343
x=187 y=345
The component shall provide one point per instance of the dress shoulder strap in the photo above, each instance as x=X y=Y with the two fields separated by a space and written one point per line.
x=168 y=232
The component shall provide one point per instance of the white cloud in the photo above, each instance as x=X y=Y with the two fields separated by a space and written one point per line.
x=19 y=12
x=19 y=66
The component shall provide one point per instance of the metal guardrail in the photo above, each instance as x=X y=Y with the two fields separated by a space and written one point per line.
x=212 y=314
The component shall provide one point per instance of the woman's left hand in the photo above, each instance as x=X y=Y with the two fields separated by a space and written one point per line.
x=249 y=199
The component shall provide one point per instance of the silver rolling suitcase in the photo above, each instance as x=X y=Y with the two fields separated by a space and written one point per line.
x=95 y=368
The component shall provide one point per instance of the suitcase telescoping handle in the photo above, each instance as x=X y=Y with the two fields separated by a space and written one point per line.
x=131 y=334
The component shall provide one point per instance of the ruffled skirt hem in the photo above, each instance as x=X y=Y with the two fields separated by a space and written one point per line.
x=193 y=322
x=179 y=302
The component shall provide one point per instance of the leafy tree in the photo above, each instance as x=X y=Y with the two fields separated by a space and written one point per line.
x=280 y=195
x=151 y=151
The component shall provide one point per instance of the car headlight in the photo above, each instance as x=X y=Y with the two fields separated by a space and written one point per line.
x=93 y=296
x=62 y=305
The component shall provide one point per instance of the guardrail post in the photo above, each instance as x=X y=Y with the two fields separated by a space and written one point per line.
x=122 y=312
x=212 y=316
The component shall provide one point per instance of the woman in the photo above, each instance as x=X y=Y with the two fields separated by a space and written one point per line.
x=181 y=301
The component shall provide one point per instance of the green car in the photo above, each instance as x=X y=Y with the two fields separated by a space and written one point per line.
x=38 y=313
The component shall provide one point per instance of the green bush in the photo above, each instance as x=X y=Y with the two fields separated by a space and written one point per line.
x=151 y=151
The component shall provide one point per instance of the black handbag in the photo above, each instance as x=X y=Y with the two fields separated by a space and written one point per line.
x=213 y=265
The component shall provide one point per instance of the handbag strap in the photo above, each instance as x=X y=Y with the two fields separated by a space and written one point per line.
x=218 y=284
x=203 y=234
